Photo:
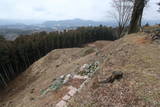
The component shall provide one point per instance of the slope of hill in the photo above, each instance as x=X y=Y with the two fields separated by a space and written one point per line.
x=136 y=56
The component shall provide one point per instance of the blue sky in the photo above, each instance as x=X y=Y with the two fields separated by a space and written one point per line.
x=65 y=9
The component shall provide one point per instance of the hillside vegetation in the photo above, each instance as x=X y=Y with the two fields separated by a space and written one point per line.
x=16 y=56
x=135 y=55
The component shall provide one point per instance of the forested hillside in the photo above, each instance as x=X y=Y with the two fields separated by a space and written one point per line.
x=16 y=56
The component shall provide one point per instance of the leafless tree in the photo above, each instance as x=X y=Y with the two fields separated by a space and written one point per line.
x=159 y=7
x=122 y=14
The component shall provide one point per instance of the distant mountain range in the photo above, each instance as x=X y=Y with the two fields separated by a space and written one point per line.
x=76 y=23
x=51 y=24
x=13 y=28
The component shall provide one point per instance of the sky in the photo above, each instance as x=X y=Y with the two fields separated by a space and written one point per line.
x=97 y=10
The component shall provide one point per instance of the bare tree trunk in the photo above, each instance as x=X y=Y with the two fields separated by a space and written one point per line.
x=136 y=18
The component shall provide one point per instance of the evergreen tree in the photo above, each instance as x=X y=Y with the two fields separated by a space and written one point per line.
x=16 y=56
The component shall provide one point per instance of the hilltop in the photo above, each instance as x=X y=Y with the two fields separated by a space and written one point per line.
x=135 y=55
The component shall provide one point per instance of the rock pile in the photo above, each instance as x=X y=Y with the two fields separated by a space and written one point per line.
x=155 y=35
x=89 y=69
x=84 y=74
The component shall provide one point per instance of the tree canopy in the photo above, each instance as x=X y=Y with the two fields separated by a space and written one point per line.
x=16 y=56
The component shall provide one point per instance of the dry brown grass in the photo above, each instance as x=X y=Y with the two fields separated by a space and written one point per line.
x=75 y=82
x=135 y=55
x=139 y=60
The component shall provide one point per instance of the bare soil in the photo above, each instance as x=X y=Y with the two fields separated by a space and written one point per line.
x=25 y=90
x=136 y=55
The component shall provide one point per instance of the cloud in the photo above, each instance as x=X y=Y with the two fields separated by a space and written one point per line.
x=150 y=11
x=62 y=9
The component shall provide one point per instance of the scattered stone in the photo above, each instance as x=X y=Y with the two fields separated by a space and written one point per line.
x=86 y=72
x=67 y=78
x=80 y=77
x=72 y=91
x=84 y=67
x=155 y=35
x=66 y=97
x=88 y=69
x=62 y=76
x=61 y=104
x=116 y=75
